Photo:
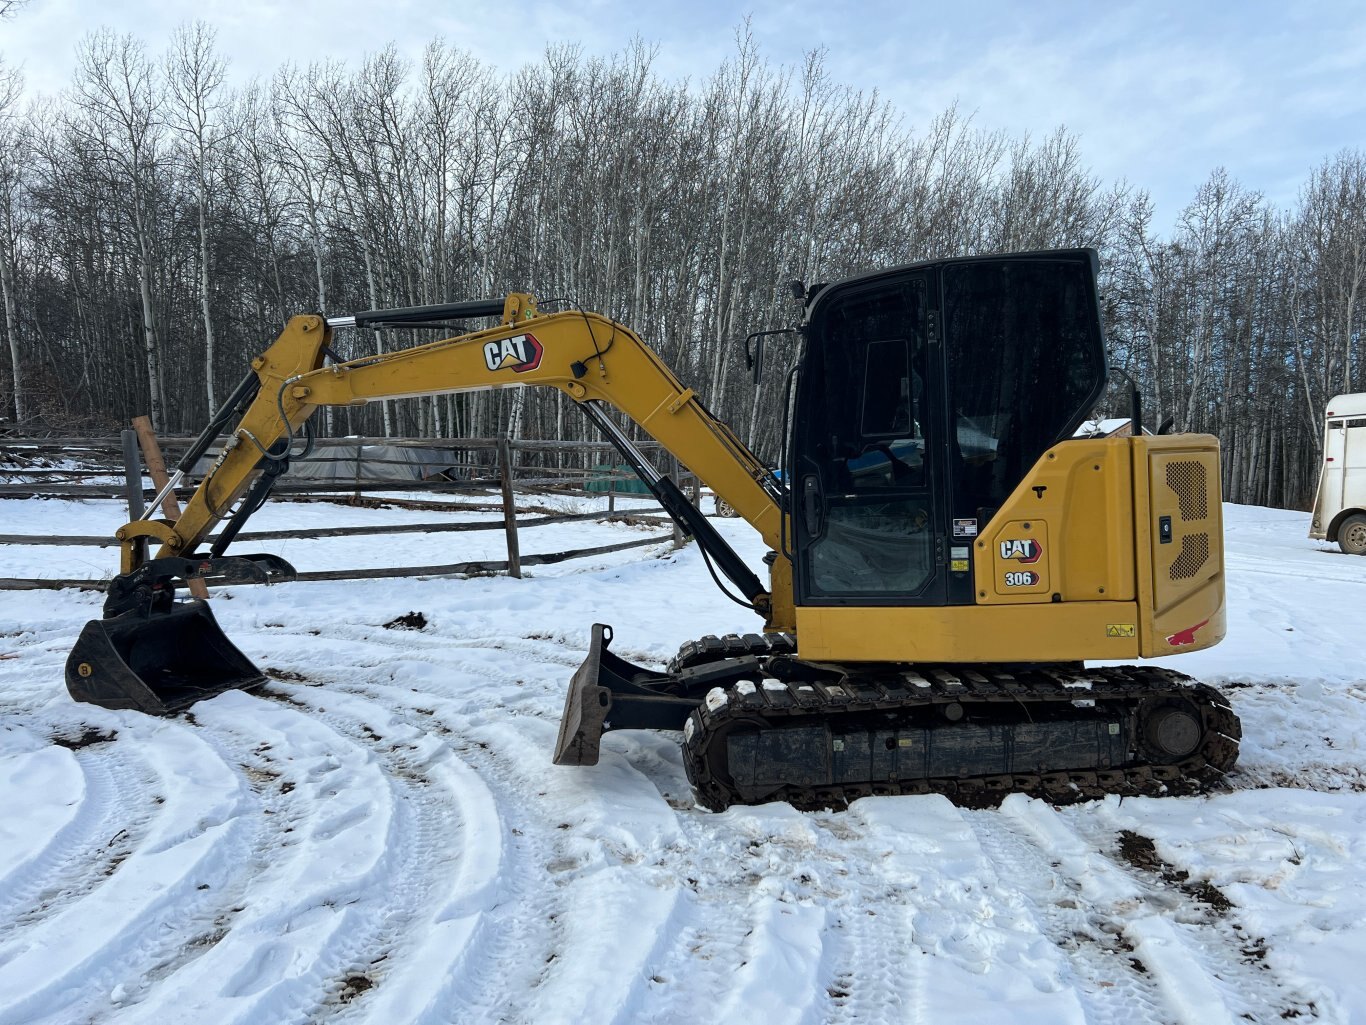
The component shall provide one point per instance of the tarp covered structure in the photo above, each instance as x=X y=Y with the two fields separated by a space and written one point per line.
x=373 y=462
x=339 y=461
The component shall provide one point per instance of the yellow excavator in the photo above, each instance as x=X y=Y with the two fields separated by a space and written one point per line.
x=944 y=555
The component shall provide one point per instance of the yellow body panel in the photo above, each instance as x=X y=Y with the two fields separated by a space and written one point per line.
x=1181 y=582
x=1070 y=568
x=1080 y=497
x=968 y=633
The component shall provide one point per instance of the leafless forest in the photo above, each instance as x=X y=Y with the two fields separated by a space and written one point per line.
x=158 y=224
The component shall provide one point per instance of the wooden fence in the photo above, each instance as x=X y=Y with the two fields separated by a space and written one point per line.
x=478 y=462
x=117 y=458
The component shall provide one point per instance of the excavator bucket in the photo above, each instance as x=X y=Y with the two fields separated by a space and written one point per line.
x=158 y=663
x=155 y=655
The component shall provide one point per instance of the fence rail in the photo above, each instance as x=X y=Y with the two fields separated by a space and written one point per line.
x=477 y=568
x=309 y=534
x=447 y=474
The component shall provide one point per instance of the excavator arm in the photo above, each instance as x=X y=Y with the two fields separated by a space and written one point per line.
x=589 y=358
x=153 y=653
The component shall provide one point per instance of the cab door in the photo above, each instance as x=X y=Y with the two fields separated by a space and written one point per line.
x=867 y=503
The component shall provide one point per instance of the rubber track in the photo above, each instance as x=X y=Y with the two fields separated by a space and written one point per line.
x=715 y=649
x=818 y=697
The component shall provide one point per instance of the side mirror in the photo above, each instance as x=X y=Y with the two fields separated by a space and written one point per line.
x=754 y=351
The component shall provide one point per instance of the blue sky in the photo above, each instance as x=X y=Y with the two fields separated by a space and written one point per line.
x=1160 y=93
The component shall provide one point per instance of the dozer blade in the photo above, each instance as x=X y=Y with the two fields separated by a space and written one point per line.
x=610 y=693
x=585 y=707
x=159 y=663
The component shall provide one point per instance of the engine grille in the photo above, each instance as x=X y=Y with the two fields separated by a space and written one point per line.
x=1194 y=555
x=1187 y=478
x=1189 y=481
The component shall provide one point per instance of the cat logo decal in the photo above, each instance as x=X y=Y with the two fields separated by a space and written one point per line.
x=519 y=354
x=1025 y=550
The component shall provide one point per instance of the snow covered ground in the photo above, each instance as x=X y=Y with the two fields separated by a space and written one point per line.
x=379 y=836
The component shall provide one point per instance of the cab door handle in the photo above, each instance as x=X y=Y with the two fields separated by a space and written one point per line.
x=813 y=508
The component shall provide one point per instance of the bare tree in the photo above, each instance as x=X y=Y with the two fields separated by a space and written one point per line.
x=13 y=165
x=1333 y=234
x=118 y=96
x=194 y=73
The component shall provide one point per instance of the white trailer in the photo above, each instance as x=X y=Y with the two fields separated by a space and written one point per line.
x=1340 y=505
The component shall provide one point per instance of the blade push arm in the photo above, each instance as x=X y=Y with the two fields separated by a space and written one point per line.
x=586 y=356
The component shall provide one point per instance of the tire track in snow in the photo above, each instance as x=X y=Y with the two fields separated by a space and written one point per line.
x=521 y=938
x=1207 y=935
x=90 y=950
x=438 y=896
x=361 y=685
x=1259 y=568
x=1178 y=984
x=574 y=930
x=426 y=663
x=1194 y=959
x=776 y=919
x=364 y=862
x=116 y=805
x=871 y=960
x=737 y=941
x=635 y=942
x=981 y=953
x=433 y=644
x=1078 y=917
x=199 y=932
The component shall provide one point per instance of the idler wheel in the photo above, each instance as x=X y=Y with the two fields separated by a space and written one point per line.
x=1172 y=730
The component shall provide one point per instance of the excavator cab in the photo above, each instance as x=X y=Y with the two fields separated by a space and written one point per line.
x=926 y=395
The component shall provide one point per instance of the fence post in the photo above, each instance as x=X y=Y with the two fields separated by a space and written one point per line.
x=132 y=475
x=156 y=468
x=611 y=493
x=509 y=507
x=674 y=472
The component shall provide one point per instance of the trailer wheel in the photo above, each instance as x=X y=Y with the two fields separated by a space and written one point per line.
x=1352 y=534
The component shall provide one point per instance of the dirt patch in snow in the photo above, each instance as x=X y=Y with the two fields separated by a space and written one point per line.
x=412 y=621
x=89 y=737
x=1140 y=851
